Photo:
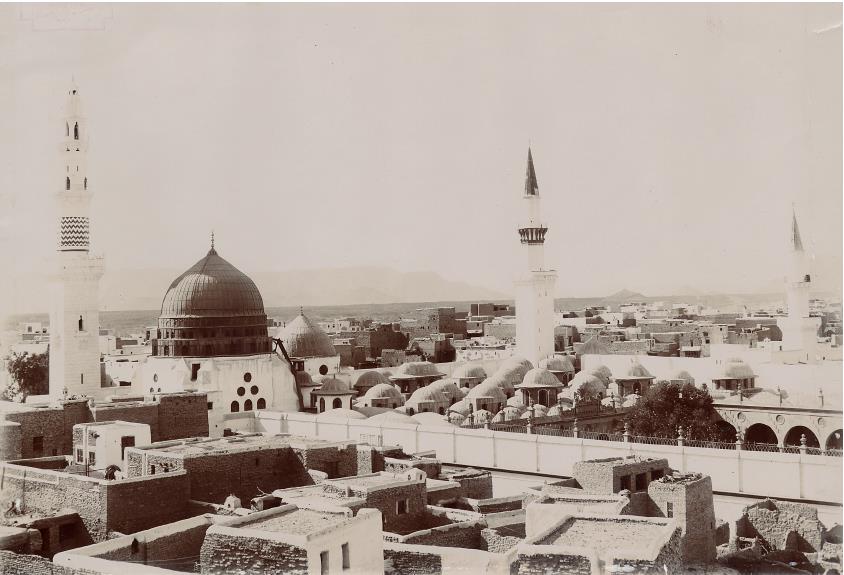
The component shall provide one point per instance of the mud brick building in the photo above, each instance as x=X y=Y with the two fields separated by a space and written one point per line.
x=38 y=431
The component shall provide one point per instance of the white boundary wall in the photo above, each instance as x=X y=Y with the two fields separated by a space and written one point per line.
x=767 y=474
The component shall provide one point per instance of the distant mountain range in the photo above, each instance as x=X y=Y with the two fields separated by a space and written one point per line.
x=144 y=289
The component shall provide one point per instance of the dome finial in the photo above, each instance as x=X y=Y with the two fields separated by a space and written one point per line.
x=212 y=251
x=301 y=311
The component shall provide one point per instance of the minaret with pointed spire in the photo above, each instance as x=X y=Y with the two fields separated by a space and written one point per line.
x=799 y=330
x=74 y=315
x=535 y=288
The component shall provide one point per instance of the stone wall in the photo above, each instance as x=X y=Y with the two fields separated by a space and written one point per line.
x=169 y=417
x=336 y=461
x=503 y=538
x=126 y=506
x=182 y=415
x=614 y=474
x=18 y=564
x=224 y=553
x=693 y=508
x=466 y=534
x=545 y=563
x=401 y=562
x=773 y=521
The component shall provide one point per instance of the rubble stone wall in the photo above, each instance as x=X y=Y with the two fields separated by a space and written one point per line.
x=223 y=554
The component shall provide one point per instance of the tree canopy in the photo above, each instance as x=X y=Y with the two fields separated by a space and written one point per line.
x=667 y=406
x=29 y=373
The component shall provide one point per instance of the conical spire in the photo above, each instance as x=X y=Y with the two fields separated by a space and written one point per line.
x=531 y=186
x=796 y=242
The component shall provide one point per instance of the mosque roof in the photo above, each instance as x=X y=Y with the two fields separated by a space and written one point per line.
x=303 y=338
x=303 y=379
x=212 y=287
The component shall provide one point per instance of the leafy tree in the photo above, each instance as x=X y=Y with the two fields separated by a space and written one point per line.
x=29 y=375
x=667 y=406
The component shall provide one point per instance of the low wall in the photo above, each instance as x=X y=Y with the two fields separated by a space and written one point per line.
x=810 y=477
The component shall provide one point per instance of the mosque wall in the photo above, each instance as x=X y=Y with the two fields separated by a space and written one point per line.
x=800 y=476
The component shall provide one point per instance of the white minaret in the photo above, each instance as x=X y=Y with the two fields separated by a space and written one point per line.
x=74 y=315
x=799 y=330
x=535 y=286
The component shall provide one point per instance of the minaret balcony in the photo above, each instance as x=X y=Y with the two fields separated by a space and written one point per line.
x=532 y=236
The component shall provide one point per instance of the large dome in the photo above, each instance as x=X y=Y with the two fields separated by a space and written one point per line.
x=302 y=338
x=212 y=287
x=213 y=309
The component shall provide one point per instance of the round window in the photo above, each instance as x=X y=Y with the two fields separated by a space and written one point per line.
x=155 y=377
x=247 y=377
x=254 y=390
x=241 y=390
x=323 y=369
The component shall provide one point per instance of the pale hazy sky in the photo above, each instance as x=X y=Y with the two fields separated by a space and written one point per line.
x=669 y=140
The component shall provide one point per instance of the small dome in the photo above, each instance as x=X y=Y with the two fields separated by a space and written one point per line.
x=539 y=377
x=302 y=338
x=427 y=394
x=468 y=370
x=369 y=379
x=417 y=369
x=539 y=410
x=518 y=360
x=447 y=387
x=331 y=385
x=557 y=363
x=303 y=379
x=684 y=375
x=370 y=411
x=461 y=407
x=586 y=384
x=341 y=413
x=558 y=409
x=393 y=417
x=516 y=401
x=509 y=413
x=431 y=418
x=637 y=371
x=735 y=368
x=487 y=388
x=384 y=391
x=513 y=369
x=593 y=347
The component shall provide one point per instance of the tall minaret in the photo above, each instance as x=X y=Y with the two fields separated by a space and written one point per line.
x=74 y=315
x=799 y=330
x=535 y=286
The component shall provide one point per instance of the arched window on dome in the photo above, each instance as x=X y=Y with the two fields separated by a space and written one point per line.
x=337 y=403
x=321 y=404
x=235 y=407
x=262 y=403
x=247 y=405
x=67 y=183
x=76 y=131
x=85 y=184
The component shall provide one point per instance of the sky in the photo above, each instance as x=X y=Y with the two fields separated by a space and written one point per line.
x=670 y=141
